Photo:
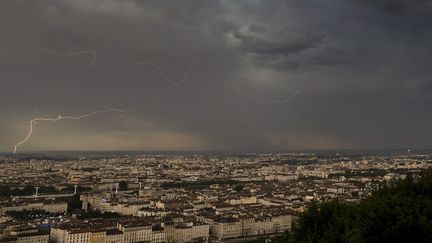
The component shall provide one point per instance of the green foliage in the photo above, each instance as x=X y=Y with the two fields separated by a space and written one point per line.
x=94 y=214
x=238 y=188
x=6 y=191
x=123 y=185
x=71 y=189
x=47 y=190
x=197 y=184
x=398 y=213
x=31 y=214
x=29 y=190
x=74 y=203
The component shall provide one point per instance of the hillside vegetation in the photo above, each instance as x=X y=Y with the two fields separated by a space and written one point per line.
x=401 y=212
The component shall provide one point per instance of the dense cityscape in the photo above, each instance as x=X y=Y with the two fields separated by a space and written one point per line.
x=182 y=197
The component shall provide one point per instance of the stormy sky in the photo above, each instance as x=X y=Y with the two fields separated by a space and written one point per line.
x=238 y=75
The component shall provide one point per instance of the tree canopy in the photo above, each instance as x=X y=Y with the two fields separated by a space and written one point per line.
x=401 y=212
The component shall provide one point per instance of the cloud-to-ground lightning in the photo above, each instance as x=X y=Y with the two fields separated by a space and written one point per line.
x=273 y=101
x=92 y=63
x=61 y=117
x=295 y=94
x=165 y=76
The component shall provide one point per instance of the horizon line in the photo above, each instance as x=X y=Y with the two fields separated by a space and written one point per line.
x=221 y=150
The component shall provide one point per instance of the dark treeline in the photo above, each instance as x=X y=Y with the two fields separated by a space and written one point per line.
x=29 y=190
x=31 y=214
x=94 y=214
x=197 y=184
x=7 y=191
x=203 y=184
x=401 y=212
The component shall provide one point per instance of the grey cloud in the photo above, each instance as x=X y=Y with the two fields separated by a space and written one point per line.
x=260 y=42
x=401 y=6
x=331 y=50
x=282 y=49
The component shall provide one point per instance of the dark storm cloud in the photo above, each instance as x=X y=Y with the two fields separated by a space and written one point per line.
x=400 y=6
x=276 y=46
x=281 y=49
x=362 y=68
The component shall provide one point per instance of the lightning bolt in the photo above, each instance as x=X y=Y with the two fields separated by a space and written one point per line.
x=165 y=76
x=273 y=101
x=92 y=63
x=61 y=117
x=295 y=94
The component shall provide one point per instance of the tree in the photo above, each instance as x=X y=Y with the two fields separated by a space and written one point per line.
x=48 y=189
x=397 y=213
x=123 y=185
x=74 y=203
x=28 y=190
x=238 y=188
x=95 y=214
x=5 y=191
